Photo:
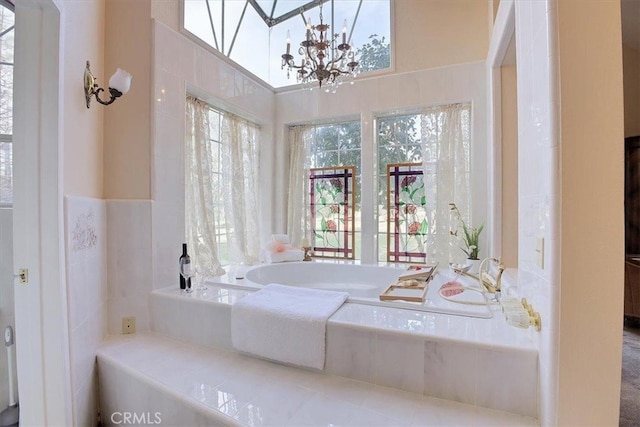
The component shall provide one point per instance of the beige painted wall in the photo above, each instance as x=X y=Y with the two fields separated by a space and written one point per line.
x=167 y=12
x=434 y=33
x=509 y=166
x=127 y=123
x=83 y=22
x=592 y=227
x=631 y=61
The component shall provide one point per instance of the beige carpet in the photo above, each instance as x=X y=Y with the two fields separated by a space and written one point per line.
x=630 y=391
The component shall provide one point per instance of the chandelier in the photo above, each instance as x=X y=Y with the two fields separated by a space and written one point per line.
x=324 y=58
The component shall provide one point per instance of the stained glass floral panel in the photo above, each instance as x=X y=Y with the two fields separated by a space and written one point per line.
x=407 y=223
x=332 y=211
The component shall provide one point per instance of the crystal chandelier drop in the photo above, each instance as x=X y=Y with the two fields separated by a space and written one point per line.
x=324 y=58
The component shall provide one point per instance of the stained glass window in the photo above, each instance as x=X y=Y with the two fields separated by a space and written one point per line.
x=332 y=211
x=407 y=225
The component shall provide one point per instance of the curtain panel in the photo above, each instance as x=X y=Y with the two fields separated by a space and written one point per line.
x=445 y=143
x=200 y=191
x=240 y=171
x=299 y=221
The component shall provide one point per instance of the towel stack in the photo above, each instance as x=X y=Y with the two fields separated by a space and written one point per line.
x=280 y=250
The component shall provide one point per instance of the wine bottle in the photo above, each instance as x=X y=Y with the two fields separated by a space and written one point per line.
x=183 y=283
x=186 y=269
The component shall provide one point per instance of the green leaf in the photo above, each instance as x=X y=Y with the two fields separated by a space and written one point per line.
x=423 y=200
x=323 y=225
x=424 y=227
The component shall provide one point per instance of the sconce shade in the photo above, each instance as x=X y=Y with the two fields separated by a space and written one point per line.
x=119 y=84
x=121 y=81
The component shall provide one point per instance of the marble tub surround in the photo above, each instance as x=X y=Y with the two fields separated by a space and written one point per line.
x=196 y=385
x=482 y=362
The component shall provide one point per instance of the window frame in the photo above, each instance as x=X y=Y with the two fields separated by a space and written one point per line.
x=356 y=205
x=8 y=138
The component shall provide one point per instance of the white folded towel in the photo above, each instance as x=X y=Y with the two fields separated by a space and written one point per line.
x=285 y=323
x=292 y=254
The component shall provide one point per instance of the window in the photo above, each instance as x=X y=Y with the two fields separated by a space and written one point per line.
x=334 y=182
x=221 y=187
x=400 y=190
x=6 y=103
x=220 y=227
x=332 y=211
x=254 y=33
x=407 y=225
x=423 y=165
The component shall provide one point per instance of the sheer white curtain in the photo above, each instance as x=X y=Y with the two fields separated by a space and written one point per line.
x=446 y=135
x=240 y=171
x=299 y=221
x=200 y=194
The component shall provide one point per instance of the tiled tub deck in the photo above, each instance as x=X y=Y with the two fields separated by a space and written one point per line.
x=384 y=366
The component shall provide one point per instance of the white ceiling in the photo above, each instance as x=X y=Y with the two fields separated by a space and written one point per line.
x=630 y=10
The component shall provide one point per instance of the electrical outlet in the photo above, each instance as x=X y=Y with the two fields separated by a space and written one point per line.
x=540 y=252
x=129 y=325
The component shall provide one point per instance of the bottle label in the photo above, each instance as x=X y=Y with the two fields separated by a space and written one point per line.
x=186 y=269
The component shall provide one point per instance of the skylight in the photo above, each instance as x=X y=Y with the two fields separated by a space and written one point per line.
x=253 y=32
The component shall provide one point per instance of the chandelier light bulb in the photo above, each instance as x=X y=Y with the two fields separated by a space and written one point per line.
x=344 y=32
x=288 y=42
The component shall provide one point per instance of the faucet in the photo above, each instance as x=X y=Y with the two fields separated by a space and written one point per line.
x=486 y=279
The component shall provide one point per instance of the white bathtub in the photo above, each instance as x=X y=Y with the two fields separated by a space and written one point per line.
x=364 y=283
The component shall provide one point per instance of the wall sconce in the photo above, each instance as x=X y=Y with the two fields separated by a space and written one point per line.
x=119 y=84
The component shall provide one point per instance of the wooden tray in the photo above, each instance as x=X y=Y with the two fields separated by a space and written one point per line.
x=406 y=290
x=419 y=271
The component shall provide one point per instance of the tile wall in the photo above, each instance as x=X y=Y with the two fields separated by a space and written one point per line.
x=538 y=192
x=129 y=262
x=86 y=258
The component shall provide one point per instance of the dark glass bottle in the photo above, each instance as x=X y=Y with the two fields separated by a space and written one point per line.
x=183 y=282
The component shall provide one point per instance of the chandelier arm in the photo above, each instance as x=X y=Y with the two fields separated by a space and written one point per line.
x=335 y=61
x=312 y=57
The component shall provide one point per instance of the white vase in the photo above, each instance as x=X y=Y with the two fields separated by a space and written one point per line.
x=475 y=265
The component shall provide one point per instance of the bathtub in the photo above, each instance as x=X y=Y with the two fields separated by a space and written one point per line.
x=364 y=283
